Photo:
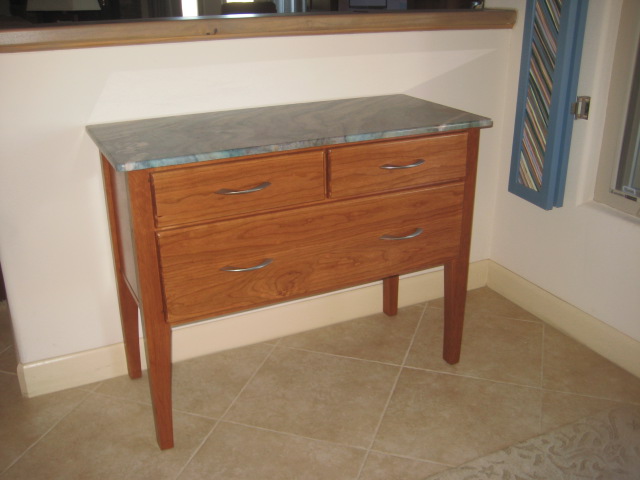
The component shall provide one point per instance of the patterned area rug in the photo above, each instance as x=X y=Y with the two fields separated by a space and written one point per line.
x=604 y=446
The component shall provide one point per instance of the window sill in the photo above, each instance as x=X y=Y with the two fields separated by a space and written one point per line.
x=213 y=28
x=612 y=212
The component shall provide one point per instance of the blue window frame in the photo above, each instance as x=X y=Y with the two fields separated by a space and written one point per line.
x=551 y=51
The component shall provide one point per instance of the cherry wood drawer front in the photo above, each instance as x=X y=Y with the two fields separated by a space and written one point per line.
x=384 y=166
x=307 y=251
x=212 y=191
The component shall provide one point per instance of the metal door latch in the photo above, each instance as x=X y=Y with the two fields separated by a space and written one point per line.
x=580 y=108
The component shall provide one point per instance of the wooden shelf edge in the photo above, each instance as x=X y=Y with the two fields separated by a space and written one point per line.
x=214 y=28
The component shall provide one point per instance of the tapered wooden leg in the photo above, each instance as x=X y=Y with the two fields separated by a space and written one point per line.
x=157 y=332
x=130 y=330
x=456 y=271
x=158 y=347
x=126 y=301
x=390 y=295
x=455 y=294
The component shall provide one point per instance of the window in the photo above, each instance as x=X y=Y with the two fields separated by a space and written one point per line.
x=628 y=175
x=189 y=8
x=618 y=181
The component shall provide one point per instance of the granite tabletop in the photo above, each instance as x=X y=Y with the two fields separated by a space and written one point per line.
x=157 y=142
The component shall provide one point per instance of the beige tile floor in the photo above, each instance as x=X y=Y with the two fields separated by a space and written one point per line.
x=367 y=399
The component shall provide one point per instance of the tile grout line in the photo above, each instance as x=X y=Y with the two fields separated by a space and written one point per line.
x=402 y=366
x=4 y=305
x=330 y=442
x=39 y=439
x=472 y=377
x=521 y=385
x=392 y=391
x=113 y=396
x=253 y=375
x=2 y=352
x=337 y=355
x=415 y=333
x=503 y=317
x=455 y=374
x=197 y=449
x=593 y=397
x=296 y=435
x=541 y=415
x=219 y=420
x=414 y=459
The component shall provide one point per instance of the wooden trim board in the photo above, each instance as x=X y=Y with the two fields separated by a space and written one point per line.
x=220 y=27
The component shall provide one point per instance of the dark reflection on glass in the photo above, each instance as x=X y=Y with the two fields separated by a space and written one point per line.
x=35 y=13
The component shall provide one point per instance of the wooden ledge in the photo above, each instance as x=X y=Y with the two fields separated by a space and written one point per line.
x=245 y=26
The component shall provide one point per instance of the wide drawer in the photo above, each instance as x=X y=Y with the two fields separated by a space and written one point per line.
x=219 y=190
x=209 y=270
x=396 y=164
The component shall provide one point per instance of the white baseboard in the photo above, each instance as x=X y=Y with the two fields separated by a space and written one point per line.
x=612 y=344
x=238 y=330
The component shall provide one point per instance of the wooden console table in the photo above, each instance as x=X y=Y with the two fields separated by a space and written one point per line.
x=223 y=212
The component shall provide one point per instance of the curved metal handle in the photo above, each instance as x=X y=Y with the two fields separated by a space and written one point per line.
x=388 y=166
x=226 y=191
x=264 y=263
x=417 y=232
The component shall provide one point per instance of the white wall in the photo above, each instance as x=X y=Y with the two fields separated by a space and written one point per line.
x=584 y=253
x=53 y=233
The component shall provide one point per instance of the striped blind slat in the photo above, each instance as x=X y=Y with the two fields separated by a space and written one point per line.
x=543 y=59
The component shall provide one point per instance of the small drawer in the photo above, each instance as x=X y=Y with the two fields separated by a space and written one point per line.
x=243 y=263
x=397 y=164
x=218 y=190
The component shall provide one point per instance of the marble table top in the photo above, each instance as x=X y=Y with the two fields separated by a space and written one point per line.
x=158 y=142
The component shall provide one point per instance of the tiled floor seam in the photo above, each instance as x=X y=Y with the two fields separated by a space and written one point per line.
x=124 y=399
x=472 y=377
x=594 y=397
x=336 y=355
x=391 y=392
x=213 y=428
x=542 y=349
x=497 y=315
x=294 y=435
x=327 y=442
x=49 y=430
x=197 y=449
x=414 y=459
x=522 y=385
x=413 y=337
x=90 y=387
x=249 y=380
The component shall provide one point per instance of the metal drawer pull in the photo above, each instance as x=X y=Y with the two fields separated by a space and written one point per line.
x=226 y=191
x=249 y=269
x=388 y=166
x=417 y=232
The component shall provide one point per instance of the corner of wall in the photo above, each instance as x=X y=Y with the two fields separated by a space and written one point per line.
x=592 y=332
